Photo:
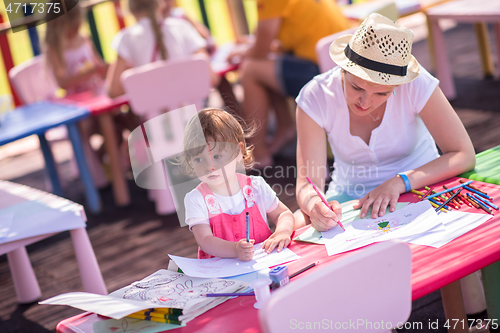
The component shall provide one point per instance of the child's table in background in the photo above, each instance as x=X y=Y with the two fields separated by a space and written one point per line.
x=478 y=12
x=103 y=107
x=39 y=117
x=35 y=215
x=432 y=269
x=487 y=167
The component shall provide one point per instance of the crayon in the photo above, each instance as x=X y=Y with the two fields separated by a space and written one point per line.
x=157 y=320
x=248 y=229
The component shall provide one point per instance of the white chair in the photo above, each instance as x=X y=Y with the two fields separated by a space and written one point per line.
x=323 y=46
x=154 y=89
x=368 y=291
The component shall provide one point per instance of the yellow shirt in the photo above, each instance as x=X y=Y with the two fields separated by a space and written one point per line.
x=304 y=22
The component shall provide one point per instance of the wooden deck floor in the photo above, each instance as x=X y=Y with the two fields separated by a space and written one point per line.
x=133 y=242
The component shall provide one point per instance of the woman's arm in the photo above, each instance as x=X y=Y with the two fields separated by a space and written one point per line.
x=283 y=218
x=219 y=247
x=458 y=156
x=311 y=162
x=113 y=83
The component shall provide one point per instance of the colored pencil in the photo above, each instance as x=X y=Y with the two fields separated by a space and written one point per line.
x=172 y=311
x=416 y=192
x=449 y=199
x=302 y=270
x=248 y=229
x=492 y=205
x=477 y=192
x=323 y=199
x=450 y=189
x=228 y=294
x=436 y=206
x=425 y=194
x=438 y=203
x=456 y=199
x=482 y=206
x=472 y=186
x=157 y=320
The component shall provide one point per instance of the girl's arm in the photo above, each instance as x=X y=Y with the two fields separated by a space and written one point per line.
x=283 y=218
x=63 y=79
x=451 y=137
x=113 y=83
x=311 y=162
x=219 y=247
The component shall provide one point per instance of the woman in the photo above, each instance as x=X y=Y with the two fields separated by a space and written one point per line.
x=383 y=114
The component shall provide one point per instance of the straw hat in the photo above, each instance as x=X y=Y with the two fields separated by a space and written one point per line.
x=379 y=51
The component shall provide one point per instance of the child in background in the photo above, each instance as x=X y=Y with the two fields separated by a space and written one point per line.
x=151 y=39
x=72 y=57
x=77 y=68
x=214 y=145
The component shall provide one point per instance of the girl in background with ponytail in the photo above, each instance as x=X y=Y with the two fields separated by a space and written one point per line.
x=149 y=40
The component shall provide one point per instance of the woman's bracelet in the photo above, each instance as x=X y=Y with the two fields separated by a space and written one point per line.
x=406 y=180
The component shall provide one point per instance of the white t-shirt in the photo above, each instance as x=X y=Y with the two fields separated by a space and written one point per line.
x=400 y=143
x=136 y=44
x=264 y=195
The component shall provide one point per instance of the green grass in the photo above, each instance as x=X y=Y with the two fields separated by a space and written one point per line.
x=107 y=25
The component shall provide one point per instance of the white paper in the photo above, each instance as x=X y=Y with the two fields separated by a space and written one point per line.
x=456 y=223
x=162 y=289
x=5 y=224
x=349 y=214
x=223 y=267
x=417 y=218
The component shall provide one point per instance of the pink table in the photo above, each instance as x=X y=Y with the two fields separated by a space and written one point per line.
x=38 y=215
x=103 y=107
x=478 y=12
x=432 y=269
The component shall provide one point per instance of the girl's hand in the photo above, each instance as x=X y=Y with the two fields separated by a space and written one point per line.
x=244 y=249
x=278 y=238
x=385 y=194
x=322 y=217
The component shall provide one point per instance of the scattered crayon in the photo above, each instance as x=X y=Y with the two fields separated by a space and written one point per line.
x=473 y=187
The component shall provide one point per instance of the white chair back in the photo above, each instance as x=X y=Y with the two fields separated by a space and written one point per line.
x=368 y=291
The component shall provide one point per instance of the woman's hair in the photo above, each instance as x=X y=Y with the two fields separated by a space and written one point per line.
x=149 y=7
x=56 y=28
x=219 y=126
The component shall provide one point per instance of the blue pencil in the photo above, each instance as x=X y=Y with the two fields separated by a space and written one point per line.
x=478 y=193
x=479 y=203
x=439 y=203
x=492 y=205
x=449 y=189
x=248 y=229
x=228 y=294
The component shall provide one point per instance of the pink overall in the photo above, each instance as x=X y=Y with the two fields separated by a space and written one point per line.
x=233 y=227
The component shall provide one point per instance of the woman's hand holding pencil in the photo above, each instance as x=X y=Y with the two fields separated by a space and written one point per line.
x=325 y=215
x=245 y=250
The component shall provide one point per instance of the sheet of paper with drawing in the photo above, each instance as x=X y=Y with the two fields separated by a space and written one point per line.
x=163 y=289
x=418 y=218
x=349 y=214
x=223 y=267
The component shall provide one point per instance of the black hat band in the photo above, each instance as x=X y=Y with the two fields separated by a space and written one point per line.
x=374 y=65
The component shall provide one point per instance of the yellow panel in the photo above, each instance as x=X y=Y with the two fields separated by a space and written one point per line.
x=4 y=83
x=107 y=25
x=251 y=14
x=220 y=21
x=192 y=9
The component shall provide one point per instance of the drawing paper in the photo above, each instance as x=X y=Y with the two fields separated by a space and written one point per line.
x=162 y=289
x=225 y=267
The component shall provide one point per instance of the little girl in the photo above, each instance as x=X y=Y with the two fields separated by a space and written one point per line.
x=77 y=68
x=216 y=211
x=72 y=57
